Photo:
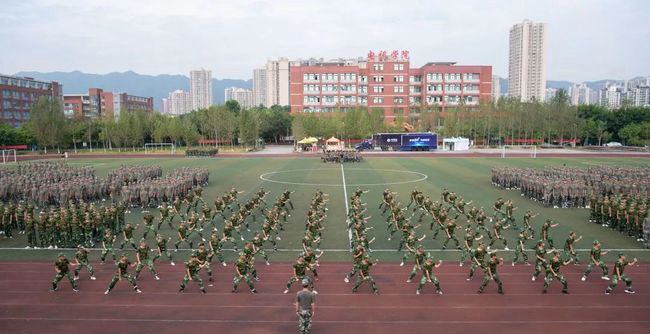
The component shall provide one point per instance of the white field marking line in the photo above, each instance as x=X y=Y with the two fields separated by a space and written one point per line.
x=609 y=307
x=422 y=177
x=280 y=294
x=333 y=249
x=387 y=322
x=347 y=208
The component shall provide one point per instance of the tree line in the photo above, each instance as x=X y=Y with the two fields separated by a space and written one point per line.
x=503 y=122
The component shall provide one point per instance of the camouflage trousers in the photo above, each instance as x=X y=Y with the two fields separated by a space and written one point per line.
x=196 y=278
x=130 y=278
x=82 y=264
x=149 y=264
x=59 y=276
x=304 y=321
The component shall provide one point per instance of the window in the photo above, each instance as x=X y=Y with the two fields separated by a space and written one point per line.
x=378 y=100
x=398 y=78
x=398 y=89
x=434 y=76
x=378 y=67
x=378 y=89
x=363 y=100
x=398 y=67
x=348 y=77
x=311 y=99
x=363 y=89
x=363 y=79
x=398 y=100
x=378 y=78
x=310 y=77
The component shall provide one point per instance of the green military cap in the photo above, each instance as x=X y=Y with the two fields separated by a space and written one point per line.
x=621 y=254
x=596 y=242
x=194 y=254
x=61 y=255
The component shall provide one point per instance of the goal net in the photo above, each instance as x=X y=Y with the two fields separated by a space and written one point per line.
x=519 y=151
x=160 y=148
x=8 y=156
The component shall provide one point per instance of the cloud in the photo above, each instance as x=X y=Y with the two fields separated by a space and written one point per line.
x=587 y=39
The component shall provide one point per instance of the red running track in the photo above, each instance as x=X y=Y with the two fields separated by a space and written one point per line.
x=26 y=306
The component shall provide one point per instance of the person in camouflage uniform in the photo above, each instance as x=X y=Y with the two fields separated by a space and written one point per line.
x=122 y=272
x=364 y=276
x=81 y=261
x=595 y=260
x=161 y=244
x=192 y=269
x=243 y=273
x=143 y=259
x=619 y=275
x=553 y=272
x=428 y=276
x=62 y=268
x=490 y=273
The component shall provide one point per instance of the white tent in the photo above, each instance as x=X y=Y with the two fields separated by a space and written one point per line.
x=455 y=144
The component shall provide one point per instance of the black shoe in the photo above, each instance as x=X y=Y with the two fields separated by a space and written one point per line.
x=543 y=291
x=479 y=292
x=203 y=291
x=253 y=291
x=565 y=292
x=181 y=289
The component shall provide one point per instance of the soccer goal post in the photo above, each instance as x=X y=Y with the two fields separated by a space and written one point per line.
x=8 y=156
x=159 y=147
x=519 y=150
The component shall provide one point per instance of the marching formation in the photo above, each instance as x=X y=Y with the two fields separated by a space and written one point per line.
x=626 y=214
x=564 y=187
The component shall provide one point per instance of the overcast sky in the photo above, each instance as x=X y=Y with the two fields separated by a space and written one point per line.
x=587 y=39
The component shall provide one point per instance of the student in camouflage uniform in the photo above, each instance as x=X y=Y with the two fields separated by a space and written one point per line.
x=61 y=266
x=107 y=245
x=81 y=260
x=497 y=229
x=122 y=272
x=364 y=275
x=127 y=234
x=545 y=233
x=595 y=260
x=203 y=255
x=242 y=273
x=161 y=243
x=553 y=272
x=490 y=273
x=619 y=275
x=478 y=258
x=520 y=248
x=305 y=307
x=569 y=249
x=215 y=248
x=192 y=269
x=143 y=259
x=540 y=258
x=428 y=276
x=468 y=244
x=419 y=258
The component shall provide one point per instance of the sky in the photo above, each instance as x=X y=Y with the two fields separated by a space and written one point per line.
x=587 y=39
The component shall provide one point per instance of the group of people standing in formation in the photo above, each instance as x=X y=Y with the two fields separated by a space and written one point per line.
x=56 y=183
x=618 y=197
x=72 y=220
x=340 y=156
x=481 y=229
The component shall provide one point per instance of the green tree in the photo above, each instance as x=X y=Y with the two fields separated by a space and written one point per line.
x=631 y=134
x=47 y=122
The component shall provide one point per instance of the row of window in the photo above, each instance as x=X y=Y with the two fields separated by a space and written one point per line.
x=15 y=115
x=451 y=76
x=23 y=83
x=396 y=78
x=6 y=93
x=329 y=76
x=396 y=67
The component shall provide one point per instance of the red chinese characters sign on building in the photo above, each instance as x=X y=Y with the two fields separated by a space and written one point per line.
x=383 y=55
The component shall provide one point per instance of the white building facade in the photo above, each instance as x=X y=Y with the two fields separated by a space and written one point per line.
x=201 y=89
x=179 y=102
x=277 y=82
x=527 y=61
x=259 y=86
x=496 y=88
x=243 y=96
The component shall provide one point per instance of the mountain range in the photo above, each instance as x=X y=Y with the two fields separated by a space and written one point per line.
x=158 y=86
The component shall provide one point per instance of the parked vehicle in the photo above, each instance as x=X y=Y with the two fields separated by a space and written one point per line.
x=424 y=141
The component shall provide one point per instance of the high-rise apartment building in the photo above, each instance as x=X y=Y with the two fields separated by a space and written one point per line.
x=17 y=94
x=639 y=96
x=243 y=96
x=259 y=87
x=386 y=80
x=180 y=102
x=527 y=61
x=164 y=106
x=611 y=96
x=201 y=89
x=581 y=94
x=277 y=82
x=496 y=88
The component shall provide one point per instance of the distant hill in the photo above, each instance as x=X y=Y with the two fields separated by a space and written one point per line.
x=133 y=83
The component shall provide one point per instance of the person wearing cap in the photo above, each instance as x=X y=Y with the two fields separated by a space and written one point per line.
x=595 y=255
x=192 y=269
x=553 y=271
x=122 y=272
x=81 y=260
x=299 y=272
x=107 y=245
x=143 y=259
x=428 y=276
x=305 y=306
x=161 y=243
x=364 y=275
x=242 y=272
x=618 y=275
x=540 y=258
x=61 y=266
x=545 y=234
x=569 y=249
x=127 y=234
x=520 y=248
x=490 y=273
x=203 y=254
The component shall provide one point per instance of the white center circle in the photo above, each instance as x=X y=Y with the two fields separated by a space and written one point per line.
x=416 y=177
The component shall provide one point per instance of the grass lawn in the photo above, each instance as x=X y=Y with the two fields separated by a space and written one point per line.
x=469 y=177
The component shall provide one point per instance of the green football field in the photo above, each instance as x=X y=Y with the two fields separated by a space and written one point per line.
x=469 y=177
